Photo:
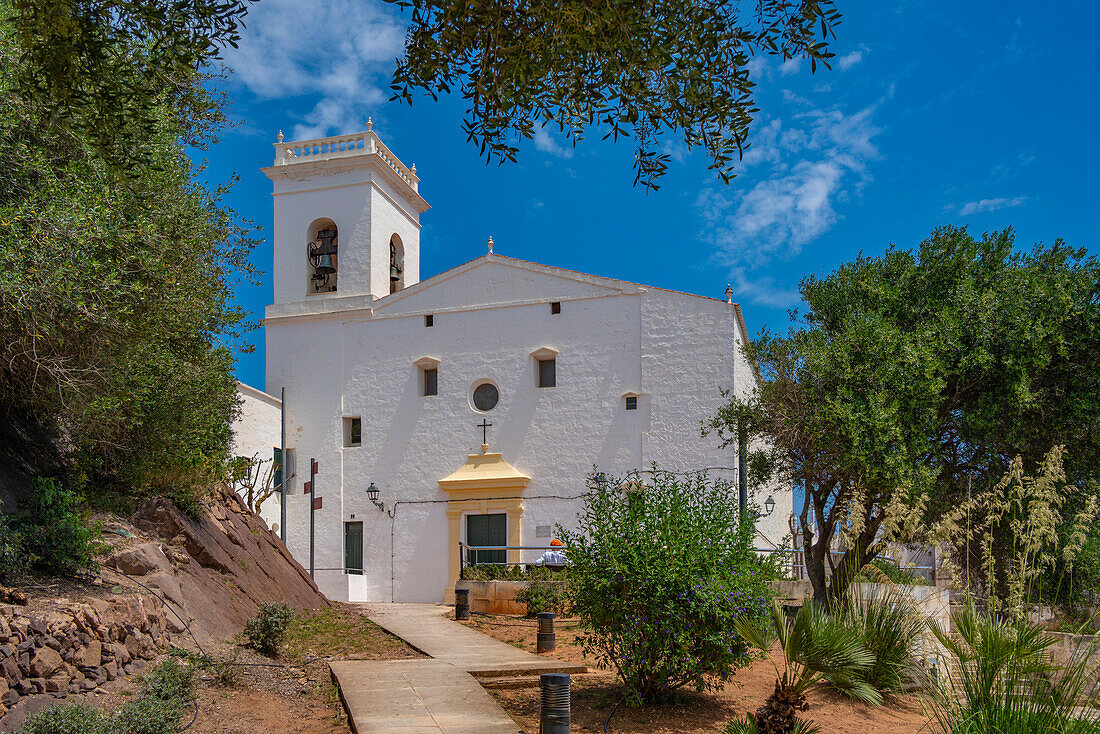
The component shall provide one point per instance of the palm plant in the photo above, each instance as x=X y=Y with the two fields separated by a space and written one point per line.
x=1001 y=678
x=814 y=646
x=890 y=627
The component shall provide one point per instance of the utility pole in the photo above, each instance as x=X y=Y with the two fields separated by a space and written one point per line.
x=282 y=465
x=314 y=467
x=742 y=471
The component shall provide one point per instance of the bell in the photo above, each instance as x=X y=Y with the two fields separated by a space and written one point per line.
x=325 y=266
x=395 y=274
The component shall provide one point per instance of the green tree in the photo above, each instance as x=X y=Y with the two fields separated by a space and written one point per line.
x=116 y=270
x=916 y=377
x=110 y=70
x=624 y=68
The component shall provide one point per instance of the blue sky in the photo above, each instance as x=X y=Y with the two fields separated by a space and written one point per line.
x=975 y=113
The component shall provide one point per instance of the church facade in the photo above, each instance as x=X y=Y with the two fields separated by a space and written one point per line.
x=469 y=407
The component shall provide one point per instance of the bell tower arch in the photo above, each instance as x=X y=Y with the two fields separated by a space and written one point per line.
x=347 y=219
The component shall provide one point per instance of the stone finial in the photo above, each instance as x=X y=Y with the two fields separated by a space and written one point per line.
x=370 y=124
x=729 y=293
x=490 y=244
x=413 y=169
x=484 y=448
x=279 y=137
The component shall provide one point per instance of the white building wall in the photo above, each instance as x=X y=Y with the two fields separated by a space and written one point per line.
x=256 y=433
x=674 y=350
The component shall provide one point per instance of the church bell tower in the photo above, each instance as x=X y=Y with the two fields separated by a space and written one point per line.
x=347 y=219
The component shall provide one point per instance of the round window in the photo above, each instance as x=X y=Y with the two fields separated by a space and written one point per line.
x=486 y=397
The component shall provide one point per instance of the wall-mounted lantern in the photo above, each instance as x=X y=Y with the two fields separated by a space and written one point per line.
x=372 y=495
x=769 y=505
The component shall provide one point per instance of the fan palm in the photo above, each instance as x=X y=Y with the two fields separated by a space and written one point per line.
x=813 y=646
x=1002 y=677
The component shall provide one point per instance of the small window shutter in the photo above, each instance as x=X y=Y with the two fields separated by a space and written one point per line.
x=278 y=457
x=548 y=372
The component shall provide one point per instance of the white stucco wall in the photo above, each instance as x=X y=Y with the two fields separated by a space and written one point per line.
x=255 y=433
x=353 y=353
x=674 y=350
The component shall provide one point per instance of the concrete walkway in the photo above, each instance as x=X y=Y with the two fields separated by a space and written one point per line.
x=440 y=695
x=424 y=627
x=414 y=696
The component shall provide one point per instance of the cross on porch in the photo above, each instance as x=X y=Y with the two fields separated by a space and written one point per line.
x=484 y=426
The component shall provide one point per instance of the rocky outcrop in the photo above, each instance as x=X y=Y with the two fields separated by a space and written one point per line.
x=166 y=577
x=213 y=571
x=77 y=647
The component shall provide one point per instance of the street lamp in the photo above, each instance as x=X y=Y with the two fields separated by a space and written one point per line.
x=769 y=505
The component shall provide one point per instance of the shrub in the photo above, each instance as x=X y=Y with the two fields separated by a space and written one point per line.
x=1005 y=680
x=890 y=628
x=149 y=715
x=55 y=530
x=65 y=719
x=166 y=694
x=267 y=630
x=543 y=595
x=169 y=681
x=493 y=572
x=13 y=561
x=658 y=572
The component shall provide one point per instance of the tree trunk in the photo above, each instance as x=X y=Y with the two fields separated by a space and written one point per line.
x=816 y=558
x=854 y=559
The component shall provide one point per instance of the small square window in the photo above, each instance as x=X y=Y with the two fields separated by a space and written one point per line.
x=431 y=382
x=429 y=320
x=353 y=431
x=548 y=373
x=555 y=307
x=631 y=402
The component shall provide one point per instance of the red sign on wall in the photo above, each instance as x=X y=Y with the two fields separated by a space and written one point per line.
x=307 y=487
x=317 y=503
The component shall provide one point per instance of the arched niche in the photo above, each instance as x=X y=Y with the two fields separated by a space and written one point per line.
x=322 y=253
x=396 y=270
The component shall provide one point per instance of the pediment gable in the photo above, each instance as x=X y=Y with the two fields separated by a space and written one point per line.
x=494 y=280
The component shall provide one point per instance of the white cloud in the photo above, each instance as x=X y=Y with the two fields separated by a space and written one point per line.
x=847 y=61
x=794 y=174
x=547 y=143
x=991 y=205
x=340 y=51
x=790 y=66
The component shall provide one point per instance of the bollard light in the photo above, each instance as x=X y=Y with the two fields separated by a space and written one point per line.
x=462 y=603
x=546 y=640
x=555 y=715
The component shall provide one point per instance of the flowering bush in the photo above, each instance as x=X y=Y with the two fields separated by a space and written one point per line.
x=658 y=572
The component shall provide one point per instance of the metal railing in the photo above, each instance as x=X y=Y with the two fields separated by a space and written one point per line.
x=797 y=565
x=502 y=555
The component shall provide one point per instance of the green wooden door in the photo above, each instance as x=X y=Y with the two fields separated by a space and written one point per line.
x=353 y=548
x=484 y=530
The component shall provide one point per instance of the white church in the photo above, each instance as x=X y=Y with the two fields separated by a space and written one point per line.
x=469 y=407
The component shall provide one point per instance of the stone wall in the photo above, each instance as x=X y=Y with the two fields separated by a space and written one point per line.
x=932 y=603
x=496 y=597
x=77 y=647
